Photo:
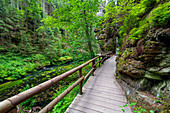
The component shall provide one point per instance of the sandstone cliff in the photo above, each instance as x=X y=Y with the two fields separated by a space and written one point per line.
x=143 y=65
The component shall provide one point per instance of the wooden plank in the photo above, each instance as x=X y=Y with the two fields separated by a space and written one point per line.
x=101 y=93
x=110 y=105
x=110 y=91
x=73 y=110
x=85 y=109
x=94 y=107
x=114 y=106
x=101 y=85
x=114 y=97
x=105 y=88
x=104 y=100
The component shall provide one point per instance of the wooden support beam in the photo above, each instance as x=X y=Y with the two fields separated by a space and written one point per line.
x=96 y=63
x=50 y=106
x=93 y=63
x=5 y=105
x=80 y=84
x=88 y=74
x=99 y=61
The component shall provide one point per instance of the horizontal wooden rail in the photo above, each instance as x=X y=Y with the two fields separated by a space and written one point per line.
x=97 y=63
x=88 y=74
x=12 y=102
x=47 y=108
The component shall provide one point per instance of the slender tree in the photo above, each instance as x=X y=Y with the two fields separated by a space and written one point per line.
x=13 y=2
x=77 y=17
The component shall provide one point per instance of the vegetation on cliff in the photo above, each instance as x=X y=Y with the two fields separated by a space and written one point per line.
x=142 y=27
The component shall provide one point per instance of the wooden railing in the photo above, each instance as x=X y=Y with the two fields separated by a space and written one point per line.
x=9 y=105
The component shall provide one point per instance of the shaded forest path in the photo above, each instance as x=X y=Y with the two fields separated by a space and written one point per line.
x=101 y=93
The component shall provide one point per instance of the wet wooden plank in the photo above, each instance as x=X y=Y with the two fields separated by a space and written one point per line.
x=101 y=93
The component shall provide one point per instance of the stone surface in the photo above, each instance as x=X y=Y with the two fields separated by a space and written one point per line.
x=106 y=37
x=152 y=76
x=165 y=71
x=144 y=65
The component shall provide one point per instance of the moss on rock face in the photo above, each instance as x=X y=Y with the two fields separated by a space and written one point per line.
x=107 y=37
x=152 y=76
x=144 y=62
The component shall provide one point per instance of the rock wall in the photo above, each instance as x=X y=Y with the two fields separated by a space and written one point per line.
x=106 y=38
x=144 y=69
x=143 y=63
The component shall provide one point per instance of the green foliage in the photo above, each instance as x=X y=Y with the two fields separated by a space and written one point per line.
x=136 y=109
x=30 y=102
x=160 y=16
x=151 y=111
x=26 y=45
x=139 y=110
x=66 y=101
x=78 y=19
x=10 y=84
x=138 y=17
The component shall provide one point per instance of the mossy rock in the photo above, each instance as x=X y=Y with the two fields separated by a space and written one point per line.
x=65 y=58
x=152 y=47
x=10 y=84
x=11 y=78
x=152 y=76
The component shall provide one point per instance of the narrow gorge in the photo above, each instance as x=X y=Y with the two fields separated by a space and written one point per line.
x=143 y=62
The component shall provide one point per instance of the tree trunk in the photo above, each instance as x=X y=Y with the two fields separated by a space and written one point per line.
x=13 y=3
x=43 y=6
x=26 y=20
x=17 y=4
x=88 y=35
x=20 y=5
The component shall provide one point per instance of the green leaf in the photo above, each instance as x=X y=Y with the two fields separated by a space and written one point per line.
x=142 y=110
x=151 y=111
x=123 y=110
x=125 y=105
x=132 y=104
x=121 y=106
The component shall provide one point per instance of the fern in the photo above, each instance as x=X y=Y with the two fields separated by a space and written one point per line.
x=9 y=26
x=2 y=22
x=9 y=20
x=4 y=30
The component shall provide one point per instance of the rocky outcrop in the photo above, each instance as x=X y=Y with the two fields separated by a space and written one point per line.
x=144 y=68
x=106 y=38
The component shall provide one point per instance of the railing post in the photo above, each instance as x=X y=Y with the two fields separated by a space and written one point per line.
x=102 y=59
x=93 y=62
x=80 y=84
x=99 y=61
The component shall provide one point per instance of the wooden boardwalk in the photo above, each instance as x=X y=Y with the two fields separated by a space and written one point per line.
x=101 y=93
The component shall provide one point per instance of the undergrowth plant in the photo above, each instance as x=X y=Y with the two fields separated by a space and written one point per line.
x=61 y=106
x=136 y=109
x=30 y=102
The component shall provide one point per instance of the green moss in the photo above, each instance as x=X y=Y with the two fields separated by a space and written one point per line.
x=137 y=25
x=10 y=78
x=160 y=15
x=65 y=58
x=10 y=84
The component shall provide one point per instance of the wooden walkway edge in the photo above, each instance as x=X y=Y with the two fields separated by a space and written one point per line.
x=101 y=93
